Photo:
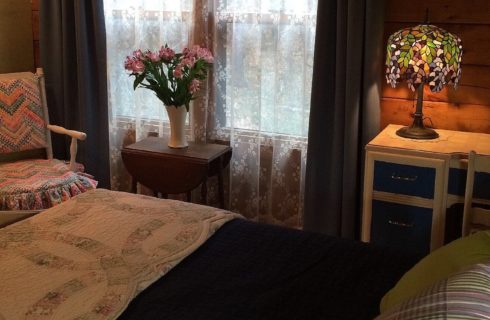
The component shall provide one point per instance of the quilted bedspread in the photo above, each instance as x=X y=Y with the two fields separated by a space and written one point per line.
x=88 y=257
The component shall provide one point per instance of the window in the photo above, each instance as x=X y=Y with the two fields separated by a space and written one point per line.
x=263 y=51
x=144 y=24
x=260 y=91
x=264 y=60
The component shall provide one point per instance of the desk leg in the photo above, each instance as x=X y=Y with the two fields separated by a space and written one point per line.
x=204 y=191
x=134 y=185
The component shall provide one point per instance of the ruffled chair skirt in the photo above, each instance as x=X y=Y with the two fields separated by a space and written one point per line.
x=39 y=184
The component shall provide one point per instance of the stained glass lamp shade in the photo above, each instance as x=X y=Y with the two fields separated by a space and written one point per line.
x=424 y=54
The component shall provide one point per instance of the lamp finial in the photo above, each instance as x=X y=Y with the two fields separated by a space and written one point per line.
x=426 y=16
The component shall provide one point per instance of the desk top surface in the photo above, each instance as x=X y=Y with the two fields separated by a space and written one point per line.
x=449 y=142
x=157 y=146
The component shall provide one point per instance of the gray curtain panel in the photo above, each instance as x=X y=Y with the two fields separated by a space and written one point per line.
x=73 y=56
x=344 y=112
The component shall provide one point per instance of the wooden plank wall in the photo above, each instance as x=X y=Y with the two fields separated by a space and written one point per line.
x=35 y=32
x=16 y=53
x=468 y=107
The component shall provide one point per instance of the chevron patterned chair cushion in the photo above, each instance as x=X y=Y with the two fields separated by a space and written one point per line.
x=22 y=122
x=39 y=184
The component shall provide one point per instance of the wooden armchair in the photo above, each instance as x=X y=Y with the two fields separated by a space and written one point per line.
x=30 y=179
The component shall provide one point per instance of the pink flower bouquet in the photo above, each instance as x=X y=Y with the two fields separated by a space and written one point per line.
x=174 y=77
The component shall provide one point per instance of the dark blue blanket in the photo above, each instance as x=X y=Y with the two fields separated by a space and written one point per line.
x=254 y=271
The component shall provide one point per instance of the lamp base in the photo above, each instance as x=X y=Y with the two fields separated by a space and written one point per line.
x=416 y=132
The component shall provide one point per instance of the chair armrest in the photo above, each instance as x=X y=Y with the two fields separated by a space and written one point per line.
x=72 y=133
x=75 y=135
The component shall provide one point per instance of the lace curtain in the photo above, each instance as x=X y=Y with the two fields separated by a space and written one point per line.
x=257 y=97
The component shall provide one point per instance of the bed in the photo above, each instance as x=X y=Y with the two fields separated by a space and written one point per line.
x=254 y=271
x=206 y=263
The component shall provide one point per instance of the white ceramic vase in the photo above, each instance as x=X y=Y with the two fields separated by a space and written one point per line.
x=177 y=118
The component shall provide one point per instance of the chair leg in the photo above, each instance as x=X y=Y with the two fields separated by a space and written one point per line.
x=468 y=196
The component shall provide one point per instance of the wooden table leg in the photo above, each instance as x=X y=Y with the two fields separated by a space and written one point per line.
x=204 y=191
x=220 y=184
x=133 y=185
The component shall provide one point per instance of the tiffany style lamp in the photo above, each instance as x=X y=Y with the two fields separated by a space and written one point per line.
x=419 y=55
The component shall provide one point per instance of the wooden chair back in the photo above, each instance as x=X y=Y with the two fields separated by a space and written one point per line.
x=475 y=218
x=24 y=117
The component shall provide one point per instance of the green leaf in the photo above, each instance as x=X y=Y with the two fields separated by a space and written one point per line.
x=410 y=53
x=153 y=82
x=429 y=58
x=139 y=78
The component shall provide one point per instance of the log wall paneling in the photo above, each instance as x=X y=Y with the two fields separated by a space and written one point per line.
x=35 y=32
x=453 y=11
x=16 y=50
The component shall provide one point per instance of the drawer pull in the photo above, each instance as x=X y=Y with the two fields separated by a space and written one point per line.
x=400 y=224
x=395 y=176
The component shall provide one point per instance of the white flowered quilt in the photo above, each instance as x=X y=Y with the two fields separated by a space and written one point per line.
x=88 y=257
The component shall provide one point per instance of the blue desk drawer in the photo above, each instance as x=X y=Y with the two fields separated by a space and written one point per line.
x=402 y=226
x=404 y=179
x=457 y=183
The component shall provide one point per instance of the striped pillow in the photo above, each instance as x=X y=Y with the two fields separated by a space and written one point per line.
x=464 y=295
